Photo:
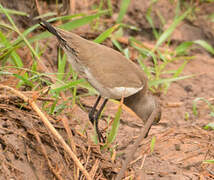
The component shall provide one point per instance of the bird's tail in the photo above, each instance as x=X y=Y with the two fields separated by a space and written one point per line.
x=51 y=29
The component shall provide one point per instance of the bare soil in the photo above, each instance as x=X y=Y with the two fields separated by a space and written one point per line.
x=29 y=151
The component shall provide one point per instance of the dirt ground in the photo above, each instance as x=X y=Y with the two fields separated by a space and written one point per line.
x=29 y=151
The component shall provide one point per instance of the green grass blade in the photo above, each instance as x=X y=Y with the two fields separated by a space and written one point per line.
x=209 y=161
x=15 y=57
x=71 y=25
x=150 y=20
x=180 y=69
x=67 y=86
x=168 y=80
x=144 y=68
x=11 y=11
x=32 y=28
x=152 y=144
x=91 y=90
x=24 y=79
x=211 y=17
x=106 y=34
x=82 y=21
x=17 y=43
x=20 y=34
x=123 y=8
x=172 y=27
x=117 y=44
x=112 y=134
x=126 y=52
x=61 y=65
x=46 y=15
x=194 y=107
x=205 y=45
x=209 y=126
x=183 y=47
x=110 y=7
x=6 y=26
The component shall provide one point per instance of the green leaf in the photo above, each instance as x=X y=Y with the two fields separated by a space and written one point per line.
x=71 y=25
x=61 y=65
x=183 y=47
x=194 y=107
x=41 y=35
x=25 y=80
x=110 y=7
x=205 y=45
x=117 y=44
x=211 y=17
x=20 y=34
x=168 y=80
x=82 y=21
x=209 y=126
x=152 y=144
x=212 y=114
x=123 y=8
x=112 y=134
x=150 y=20
x=106 y=34
x=144 y=68
x=126 y=52
x=6 y=26
x=67 y=86
x=171 y=28
x=46 y=15
x=91 y=90
x=11 y=11
x=68 y=26
x=180 y=69
x=209 y=161
x=15 y=57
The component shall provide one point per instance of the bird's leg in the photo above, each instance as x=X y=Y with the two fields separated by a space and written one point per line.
x=91 y=113
x=100 y=136
x=95 y=117
x=147 y=133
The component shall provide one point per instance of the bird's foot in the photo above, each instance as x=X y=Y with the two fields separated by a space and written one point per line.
x=100 y=137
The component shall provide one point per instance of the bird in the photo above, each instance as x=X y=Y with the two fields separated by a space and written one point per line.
x=109 y=72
